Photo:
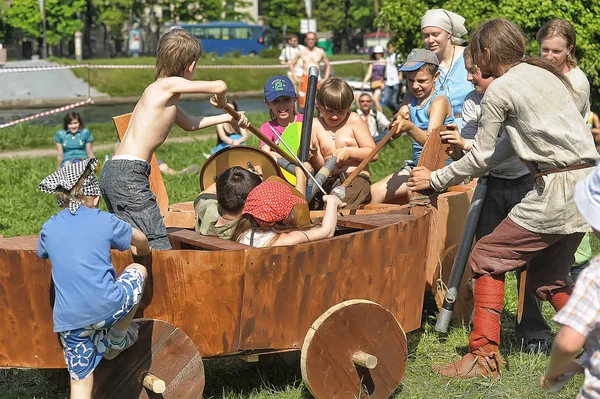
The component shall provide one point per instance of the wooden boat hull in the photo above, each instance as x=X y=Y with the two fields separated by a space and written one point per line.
x=232 y=301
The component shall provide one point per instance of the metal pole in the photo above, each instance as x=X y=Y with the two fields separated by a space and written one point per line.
x=44 y=41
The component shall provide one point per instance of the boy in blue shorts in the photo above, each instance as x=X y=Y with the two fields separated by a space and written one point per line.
x=428 y=110
x=93 y=310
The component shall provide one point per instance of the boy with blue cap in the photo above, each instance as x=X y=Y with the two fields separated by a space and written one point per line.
x=579 y=318
x=428 y=110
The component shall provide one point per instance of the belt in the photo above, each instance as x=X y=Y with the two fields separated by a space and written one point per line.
x=458 y=115
x=564 y=169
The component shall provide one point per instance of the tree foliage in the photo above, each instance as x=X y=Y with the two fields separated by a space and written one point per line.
x=529 y=15
x=61 y=17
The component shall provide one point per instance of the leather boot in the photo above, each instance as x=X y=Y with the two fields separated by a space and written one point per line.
x=484 y=362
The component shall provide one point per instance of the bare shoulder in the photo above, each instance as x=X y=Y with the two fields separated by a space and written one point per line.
x=355 y=120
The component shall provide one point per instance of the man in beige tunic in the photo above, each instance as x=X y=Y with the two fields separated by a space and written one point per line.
x=535 y=108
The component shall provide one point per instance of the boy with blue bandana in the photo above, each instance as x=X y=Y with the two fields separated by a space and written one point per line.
x=93 y=309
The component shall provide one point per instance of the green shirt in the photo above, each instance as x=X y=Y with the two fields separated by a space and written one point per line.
x=207 y=213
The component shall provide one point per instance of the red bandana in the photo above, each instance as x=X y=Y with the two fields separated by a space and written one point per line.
x=271 y=202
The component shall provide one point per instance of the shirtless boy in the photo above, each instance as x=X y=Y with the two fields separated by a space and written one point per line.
x=344 y=135
x=124 y=181
x=311 y=55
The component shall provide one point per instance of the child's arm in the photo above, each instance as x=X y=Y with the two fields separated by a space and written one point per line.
x=244 y=133
x=567 y=345
x=325 y=230
x=59 y=154
x=139 y=243
x=177 y=85
x=189 y=123
x=363 y=138
x=89 y=151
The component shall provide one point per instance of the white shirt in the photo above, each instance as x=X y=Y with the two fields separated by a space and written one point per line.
x=376 y=121
x=391 y=70
x=581 y=85
x=287 y=55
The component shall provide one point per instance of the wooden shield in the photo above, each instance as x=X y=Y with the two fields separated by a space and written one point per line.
x=237 y=156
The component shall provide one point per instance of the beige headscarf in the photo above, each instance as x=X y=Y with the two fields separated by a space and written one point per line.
x=446 y=20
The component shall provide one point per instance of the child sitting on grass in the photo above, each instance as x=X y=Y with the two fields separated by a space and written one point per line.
x=428 y=110
x=219 y=207
x=124 y=180
x=276 y=214
x=74 y=141
x=342 y=134
x=579 y=318
x=229 y=135
x=93 y=308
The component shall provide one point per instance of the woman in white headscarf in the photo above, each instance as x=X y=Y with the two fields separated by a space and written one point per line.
x=442 y=31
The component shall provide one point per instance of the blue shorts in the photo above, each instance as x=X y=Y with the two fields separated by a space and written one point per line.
x=83 y=347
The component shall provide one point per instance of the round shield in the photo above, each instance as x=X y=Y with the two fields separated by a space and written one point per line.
x=244 y=156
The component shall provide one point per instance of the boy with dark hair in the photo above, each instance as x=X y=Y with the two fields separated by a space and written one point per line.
x=125 y=178
x=93 y=309
x=219 y=207
x=428 y=110
x=342 y=134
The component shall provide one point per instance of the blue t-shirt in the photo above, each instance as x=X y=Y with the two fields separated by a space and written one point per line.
x=419 y=115
x=73 y=144
x=456 y=87
x=84 y=278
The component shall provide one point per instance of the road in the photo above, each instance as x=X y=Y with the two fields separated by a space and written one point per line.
x=42 y=84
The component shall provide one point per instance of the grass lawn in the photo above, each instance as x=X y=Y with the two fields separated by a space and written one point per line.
x=24 y=209
x=132 y=82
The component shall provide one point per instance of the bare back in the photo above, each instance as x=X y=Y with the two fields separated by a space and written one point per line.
x=151 y=121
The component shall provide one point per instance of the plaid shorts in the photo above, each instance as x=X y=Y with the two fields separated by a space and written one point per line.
x=83 y=347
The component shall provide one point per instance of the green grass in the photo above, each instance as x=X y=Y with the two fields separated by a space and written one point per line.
x=28 y=135
x=24 y=209
x=132 y=82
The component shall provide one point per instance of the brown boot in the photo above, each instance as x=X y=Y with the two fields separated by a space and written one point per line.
x=484 y=362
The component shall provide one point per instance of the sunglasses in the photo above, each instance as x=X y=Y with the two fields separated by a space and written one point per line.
x=365 y=101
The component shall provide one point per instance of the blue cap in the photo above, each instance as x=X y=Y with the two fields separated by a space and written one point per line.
x=279 y=86
x=417 y=58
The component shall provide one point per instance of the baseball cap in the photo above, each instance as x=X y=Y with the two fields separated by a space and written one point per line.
x=417 y=57
x=279 y=86
x=587 y=198
x=378 y=49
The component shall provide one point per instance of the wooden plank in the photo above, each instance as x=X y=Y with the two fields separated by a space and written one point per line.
x=287 y=288
x=372 y=221
x=157 y=184
x=192 y=238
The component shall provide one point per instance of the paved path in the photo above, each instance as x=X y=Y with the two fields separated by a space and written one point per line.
x=42 y=84
x=50 y=152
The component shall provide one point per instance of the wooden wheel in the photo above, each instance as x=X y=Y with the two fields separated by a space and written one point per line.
x=162 y=350
x=355 y=349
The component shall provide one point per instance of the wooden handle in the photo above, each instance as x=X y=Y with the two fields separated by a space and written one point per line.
x=364 y=359
x=255 y=131
x=154 y=383
x=361 y=166
x=521 y=300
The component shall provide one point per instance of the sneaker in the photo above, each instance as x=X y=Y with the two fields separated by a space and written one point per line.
x=536 y=346
x=131 y=336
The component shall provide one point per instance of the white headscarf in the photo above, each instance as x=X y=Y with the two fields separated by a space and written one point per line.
x=446 y=20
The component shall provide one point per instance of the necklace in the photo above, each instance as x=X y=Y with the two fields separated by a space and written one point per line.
x=449 y=69
x=332 y=135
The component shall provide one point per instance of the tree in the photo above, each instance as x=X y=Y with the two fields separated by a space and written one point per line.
x=61 y=17
x=529 y=15
x=284 y=12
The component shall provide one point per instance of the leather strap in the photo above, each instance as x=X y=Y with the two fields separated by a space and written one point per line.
x=565 y=169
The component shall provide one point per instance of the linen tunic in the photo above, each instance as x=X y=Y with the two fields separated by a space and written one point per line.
x=544 y=126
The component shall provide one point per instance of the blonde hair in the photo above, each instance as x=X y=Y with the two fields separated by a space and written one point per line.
x=177 y=50
x=335 y=95
x=562 y=28
x=506 y=45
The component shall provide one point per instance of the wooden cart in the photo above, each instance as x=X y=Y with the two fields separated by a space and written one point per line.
x=345 y=302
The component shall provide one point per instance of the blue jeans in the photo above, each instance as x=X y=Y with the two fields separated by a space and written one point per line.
x=390 y=97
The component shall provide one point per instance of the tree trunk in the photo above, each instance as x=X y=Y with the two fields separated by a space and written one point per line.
x=87 y=29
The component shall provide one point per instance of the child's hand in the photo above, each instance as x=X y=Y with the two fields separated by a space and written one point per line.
x=242 y=123
x=403 y=113
x=402 y=126
x=219 y=100
x=309 y=167
x=332 y=200
x=341 y=154
x=141 y=251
